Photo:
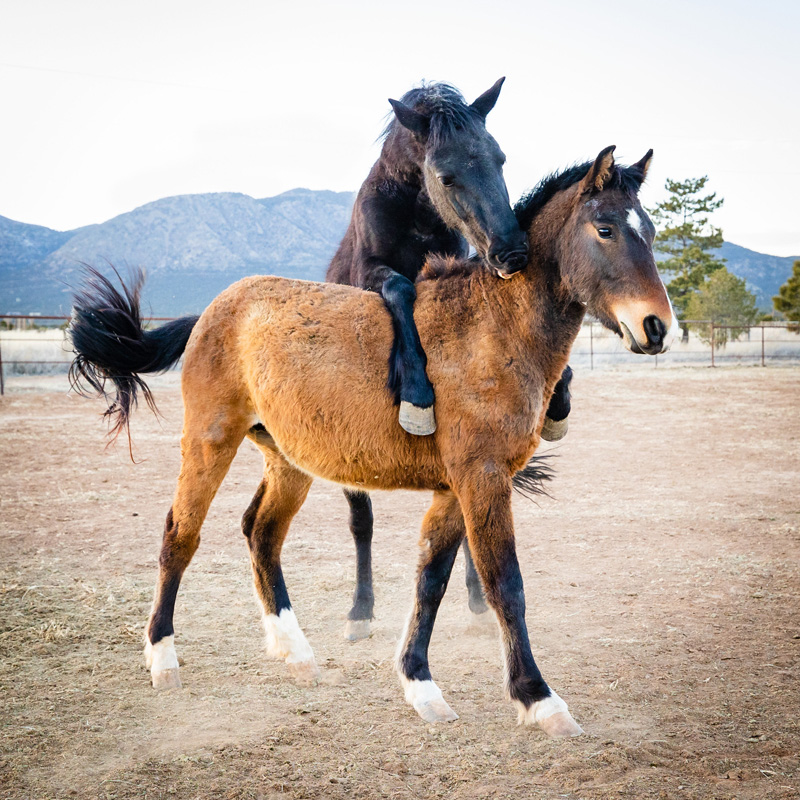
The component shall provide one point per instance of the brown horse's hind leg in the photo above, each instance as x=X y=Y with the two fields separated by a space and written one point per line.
x=442 y=533
x=207 y=450
x=486 y=502
x=280 y=495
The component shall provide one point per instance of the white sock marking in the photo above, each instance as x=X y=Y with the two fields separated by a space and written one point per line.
x=285 y=638
x=161 y=656
x=541 y=709
x=418 y=693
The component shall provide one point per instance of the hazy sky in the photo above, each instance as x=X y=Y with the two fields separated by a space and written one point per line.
x=109 y=105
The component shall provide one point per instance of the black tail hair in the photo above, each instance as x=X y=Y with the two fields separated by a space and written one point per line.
x=110 y=343
x=530 y=480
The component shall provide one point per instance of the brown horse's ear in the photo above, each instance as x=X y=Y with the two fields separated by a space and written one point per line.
x=642 y=166
x=599 y=173
x=485 y=103
x=408 y=118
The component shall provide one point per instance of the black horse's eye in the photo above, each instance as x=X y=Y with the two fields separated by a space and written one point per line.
x=605 y=232
x=447 y=180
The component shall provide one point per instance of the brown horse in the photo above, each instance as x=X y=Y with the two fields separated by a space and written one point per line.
x=300 y=368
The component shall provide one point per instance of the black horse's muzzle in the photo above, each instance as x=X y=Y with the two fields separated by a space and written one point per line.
x=507 y=261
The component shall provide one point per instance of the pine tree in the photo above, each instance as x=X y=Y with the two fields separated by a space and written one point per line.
x=724 y=300
x=687 y=238
x=787 y=301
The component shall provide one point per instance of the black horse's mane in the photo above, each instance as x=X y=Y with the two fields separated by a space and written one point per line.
x=446 y=107
x=529 y=205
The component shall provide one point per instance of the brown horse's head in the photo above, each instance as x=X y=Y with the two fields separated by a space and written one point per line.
x=605 y=253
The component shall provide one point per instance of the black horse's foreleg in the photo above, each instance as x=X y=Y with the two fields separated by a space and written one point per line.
x=556 y=423
x=407 y=374
x=358 y=620
x=477 y=601
x=442 y=533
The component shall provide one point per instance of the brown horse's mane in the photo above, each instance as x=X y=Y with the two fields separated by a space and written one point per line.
x=529 y=205
x=439 y=266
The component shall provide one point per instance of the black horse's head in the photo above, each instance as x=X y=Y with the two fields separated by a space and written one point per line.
x=462 y=168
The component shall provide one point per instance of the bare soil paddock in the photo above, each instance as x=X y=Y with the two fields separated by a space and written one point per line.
x=662 y=585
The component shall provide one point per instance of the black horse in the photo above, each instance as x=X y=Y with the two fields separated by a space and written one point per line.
x=437 y=188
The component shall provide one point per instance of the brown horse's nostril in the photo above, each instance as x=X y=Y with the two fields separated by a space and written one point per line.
x=655 y=329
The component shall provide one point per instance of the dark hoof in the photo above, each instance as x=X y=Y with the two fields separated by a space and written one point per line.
x=415 y=420
x=356 y=629
x=554 y=431
x=477 y=605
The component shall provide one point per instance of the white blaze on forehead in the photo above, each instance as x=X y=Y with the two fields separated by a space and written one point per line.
x=636 y=222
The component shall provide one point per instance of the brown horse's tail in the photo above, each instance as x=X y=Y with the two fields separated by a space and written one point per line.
x=530 y=480
x=110 y=344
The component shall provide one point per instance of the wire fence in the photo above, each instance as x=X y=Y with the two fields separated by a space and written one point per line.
x=37 y=345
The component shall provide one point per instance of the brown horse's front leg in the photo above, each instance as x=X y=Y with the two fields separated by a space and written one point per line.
x=485 y=500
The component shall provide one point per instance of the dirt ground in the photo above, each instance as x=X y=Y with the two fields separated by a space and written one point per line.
x=662 y=583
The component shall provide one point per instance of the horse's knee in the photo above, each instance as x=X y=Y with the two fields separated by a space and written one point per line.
x=398 y=291
x=180 y=542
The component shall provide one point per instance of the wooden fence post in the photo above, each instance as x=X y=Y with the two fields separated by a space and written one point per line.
x=712 y=344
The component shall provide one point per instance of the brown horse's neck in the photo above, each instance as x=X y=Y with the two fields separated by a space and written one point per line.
x=546 y=235
x=530 y=316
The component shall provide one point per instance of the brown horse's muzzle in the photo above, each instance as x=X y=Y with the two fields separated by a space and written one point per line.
x=647 y=330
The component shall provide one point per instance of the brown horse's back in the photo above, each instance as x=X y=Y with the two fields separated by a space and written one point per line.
x=311 y=366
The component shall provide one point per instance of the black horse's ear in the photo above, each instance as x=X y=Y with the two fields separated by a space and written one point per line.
x=408 y=118
x=485 y=103
x=599 y=173
x=641 y=166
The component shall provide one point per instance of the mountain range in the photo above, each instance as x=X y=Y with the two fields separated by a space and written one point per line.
x=194 y=246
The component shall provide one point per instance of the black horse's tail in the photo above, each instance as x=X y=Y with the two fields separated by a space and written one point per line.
x=110 y=344
x=530 y=480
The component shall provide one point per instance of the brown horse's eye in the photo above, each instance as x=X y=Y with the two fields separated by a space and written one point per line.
x=447 y=180
x=605 y=233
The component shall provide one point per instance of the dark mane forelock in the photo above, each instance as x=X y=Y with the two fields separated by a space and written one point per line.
x=445 y=106
x=529 y=205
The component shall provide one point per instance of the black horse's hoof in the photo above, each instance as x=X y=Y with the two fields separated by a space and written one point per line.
x=554 y=430
x=415 y=420
x=357 y=629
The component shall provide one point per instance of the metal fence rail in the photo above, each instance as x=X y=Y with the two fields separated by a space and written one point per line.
x=27 y=346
